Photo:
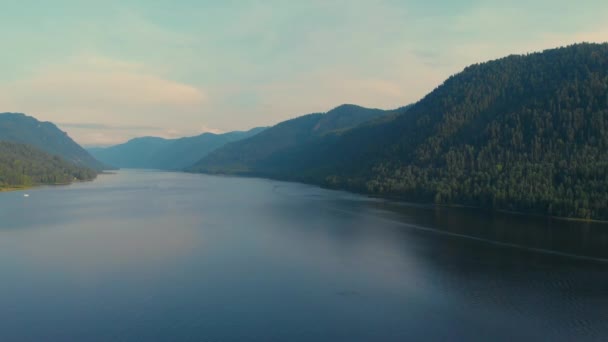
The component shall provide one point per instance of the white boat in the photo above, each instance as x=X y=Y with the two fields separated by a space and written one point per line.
x=26 y=195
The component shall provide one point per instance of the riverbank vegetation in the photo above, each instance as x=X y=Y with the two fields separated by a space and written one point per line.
x=23 y=166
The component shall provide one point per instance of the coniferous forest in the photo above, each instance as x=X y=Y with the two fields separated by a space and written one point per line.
x=22 y=166
x=47 y=137
x=526 y=133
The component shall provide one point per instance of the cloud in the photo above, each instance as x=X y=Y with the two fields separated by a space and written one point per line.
x=176 y=69
x=90 y=92
x=93 y=82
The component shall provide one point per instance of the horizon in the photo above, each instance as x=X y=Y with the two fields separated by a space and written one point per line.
x=111 y=72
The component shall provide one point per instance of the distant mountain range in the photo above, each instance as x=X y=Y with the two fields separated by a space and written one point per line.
x=166 y=154
x=523 y=133
x=238 y=150
x=45 y=136
x=258 y=155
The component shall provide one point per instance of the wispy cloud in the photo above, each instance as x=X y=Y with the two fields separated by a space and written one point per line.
x=114 y=70
x=89 y=92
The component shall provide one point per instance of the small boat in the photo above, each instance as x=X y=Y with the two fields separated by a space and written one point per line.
x=26 y=195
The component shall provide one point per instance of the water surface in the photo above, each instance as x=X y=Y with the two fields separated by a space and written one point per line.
x=157 y=256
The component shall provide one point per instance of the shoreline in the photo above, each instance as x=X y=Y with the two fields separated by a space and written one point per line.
x=11 y=189
x=499 y=211
x=37 y=186
x=399 y=200
x=394 y=199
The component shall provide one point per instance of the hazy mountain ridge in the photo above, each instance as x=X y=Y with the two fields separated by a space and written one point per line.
x=253 y=155
x=525 y=133
x=166 y=154
x=136 y=153
x=20 y=128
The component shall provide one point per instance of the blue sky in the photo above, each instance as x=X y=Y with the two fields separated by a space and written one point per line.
x=112 y=70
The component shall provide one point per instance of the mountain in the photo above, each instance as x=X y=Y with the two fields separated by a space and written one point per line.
x=184 y=152
x=23 y=165
x=166 y=154
x=526 y=133
x=344 y=117
x=20 y=128
x=253 y=156
x=136 y=153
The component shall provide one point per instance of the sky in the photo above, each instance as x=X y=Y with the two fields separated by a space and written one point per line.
x=107 y=71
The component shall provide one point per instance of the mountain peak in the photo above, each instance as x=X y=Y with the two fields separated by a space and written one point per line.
x=345 y=106
x=346 y=116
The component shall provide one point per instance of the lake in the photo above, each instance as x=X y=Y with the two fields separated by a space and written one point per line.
x=160 y=256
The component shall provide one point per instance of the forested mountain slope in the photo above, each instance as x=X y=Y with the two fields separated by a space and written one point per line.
x=22 y=165
x=20 y=128
x=255 y=155
x=525 y=133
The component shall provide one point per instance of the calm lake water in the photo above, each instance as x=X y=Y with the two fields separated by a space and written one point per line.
x=147 y=256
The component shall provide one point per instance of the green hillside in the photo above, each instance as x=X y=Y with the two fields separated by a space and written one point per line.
x=22 y=166
x=526 y=133
x=20 y=128
x=256 y=154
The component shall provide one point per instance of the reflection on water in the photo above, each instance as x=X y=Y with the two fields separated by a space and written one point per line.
x=167 y=256
x=570 y=237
